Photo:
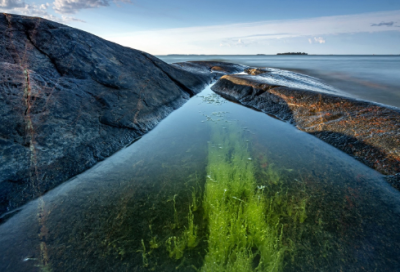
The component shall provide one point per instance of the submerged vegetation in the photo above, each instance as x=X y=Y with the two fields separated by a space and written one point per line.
x=223 y=198
x=242 y=223
x=248 y=225
x=241 y=212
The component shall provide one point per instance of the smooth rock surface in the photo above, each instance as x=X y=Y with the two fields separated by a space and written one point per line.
x=365 y=130
x=69 y=99
x=211 y=69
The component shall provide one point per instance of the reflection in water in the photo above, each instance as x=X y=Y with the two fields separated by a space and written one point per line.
x=214 y=187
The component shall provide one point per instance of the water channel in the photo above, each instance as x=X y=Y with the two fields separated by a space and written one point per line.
x=214 y=187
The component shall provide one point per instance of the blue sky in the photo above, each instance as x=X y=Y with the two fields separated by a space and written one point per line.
x=230 y=27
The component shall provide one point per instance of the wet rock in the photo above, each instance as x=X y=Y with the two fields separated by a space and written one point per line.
x=256 y=71
x=278 y=77
x=69 y=99
x=367 y=131
x=211 y=69
x=394 y=180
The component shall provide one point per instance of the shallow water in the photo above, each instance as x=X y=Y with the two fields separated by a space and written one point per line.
x=372 y=78
x=214 y=187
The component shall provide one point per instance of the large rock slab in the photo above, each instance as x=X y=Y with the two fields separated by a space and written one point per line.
x=69 y=99
x=367 y=131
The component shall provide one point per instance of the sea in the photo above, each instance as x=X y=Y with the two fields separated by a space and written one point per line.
x=366 y=77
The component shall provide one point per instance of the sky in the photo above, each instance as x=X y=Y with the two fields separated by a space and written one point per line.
x=163 y=27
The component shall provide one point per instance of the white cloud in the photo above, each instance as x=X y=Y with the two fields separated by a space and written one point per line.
x=319 y=40
x=384 y=24
x=233 y=43
x=20 y=7
x=67 y=19
x=11 y=4
x=195 y=39
x=309 y=41
x=73 y=6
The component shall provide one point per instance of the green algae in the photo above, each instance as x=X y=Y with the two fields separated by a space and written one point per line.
x=176 y=220
x=190 y=233
x=176 y=246
x=144 y=255
x=244 y=219
x=248 y=217
x=242 y=223
x=154 y=243
x=196 y=192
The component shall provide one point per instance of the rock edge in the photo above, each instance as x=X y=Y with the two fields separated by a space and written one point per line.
x=367 y=131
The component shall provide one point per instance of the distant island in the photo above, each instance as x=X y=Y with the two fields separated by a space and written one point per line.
x=174 y=55
x=292 y=53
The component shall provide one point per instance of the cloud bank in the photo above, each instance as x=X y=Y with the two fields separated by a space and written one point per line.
x=20 y=7
x=11 y=4
x=194 y=39
x=62 y=7
x=384 y=24
x=73 y=6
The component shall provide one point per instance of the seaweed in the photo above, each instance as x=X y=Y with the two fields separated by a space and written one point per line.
x=176 y=246
x=144 y=255
x=248 y=224
x=191 y=232
x=242 y=224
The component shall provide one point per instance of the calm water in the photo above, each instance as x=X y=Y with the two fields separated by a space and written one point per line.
x=373 y=78
x=214 y=187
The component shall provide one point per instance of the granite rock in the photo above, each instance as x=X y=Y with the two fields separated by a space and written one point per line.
x=69 y=99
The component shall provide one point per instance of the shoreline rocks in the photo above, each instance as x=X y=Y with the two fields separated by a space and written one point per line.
x=367 y=131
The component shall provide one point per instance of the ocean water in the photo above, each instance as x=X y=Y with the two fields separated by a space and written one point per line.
x=214 y=187
x=372 y=78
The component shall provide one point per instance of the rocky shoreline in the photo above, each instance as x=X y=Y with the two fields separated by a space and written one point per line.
x=367 y=131
x=70 y=99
